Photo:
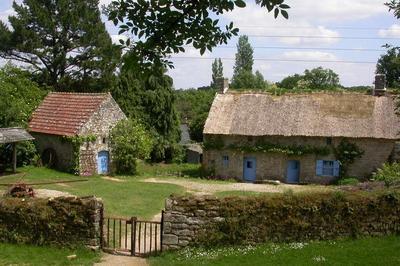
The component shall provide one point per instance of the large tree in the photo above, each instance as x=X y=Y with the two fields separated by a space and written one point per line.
x=148 y=97
x=217 y=72
x=64 y=42
x=163 y=27
x=389 y=64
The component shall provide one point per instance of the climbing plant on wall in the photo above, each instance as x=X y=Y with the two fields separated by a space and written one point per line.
x=346 y=153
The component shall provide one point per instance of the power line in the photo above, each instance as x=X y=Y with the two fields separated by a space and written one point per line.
x=323 y=37
x=316 y=27
x=300 y=48
x=277 y=60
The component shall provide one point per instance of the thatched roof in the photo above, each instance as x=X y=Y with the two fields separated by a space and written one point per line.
x=317 y=114
x=14 y=134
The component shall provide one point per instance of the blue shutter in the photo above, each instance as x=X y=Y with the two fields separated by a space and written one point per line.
x=336 y=168
x=320 y=166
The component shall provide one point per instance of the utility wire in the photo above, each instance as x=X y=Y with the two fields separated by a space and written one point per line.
x=316 y=27
x=300 y=48
x=323 y=37
x=277 y=60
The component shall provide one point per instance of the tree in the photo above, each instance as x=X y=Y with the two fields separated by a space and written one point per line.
x=63 y=42
x=148 y=97
x=394 y=5
x=389 y=64
x=243 y=77
x=163 y=27
x=217 y=72
x=290 y=82
x=320 y=78
x=19 y=97
x=129 y=141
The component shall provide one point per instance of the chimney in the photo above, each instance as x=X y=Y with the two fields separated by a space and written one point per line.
x=380 y=85
x=223 y=85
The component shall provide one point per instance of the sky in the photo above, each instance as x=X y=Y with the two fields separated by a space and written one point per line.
x=353 y=33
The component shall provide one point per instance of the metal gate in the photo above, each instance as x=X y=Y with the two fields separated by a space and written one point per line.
x=130 y=236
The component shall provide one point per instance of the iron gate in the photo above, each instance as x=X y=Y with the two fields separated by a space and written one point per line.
x=130 y=236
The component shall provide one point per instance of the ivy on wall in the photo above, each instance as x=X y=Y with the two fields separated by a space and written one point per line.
x=76 y=142
x=346 y=153
x=267 y=147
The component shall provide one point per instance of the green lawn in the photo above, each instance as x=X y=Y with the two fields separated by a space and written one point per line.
x=11 y=254
x=368 y=251
x=129 y=198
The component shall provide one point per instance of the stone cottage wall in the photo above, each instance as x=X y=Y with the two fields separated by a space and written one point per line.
x=63 y=149
x=274 y=165
x=99 y=125
x=248 y=220
x=64 y=221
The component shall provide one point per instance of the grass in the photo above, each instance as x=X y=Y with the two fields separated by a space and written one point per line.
x=11 y=254
x=132 y=197
x=367 y=251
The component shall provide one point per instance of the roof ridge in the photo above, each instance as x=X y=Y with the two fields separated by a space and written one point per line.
x=79 y=93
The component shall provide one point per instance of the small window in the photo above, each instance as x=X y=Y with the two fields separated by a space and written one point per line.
x=249 y=164
x=225 y=161
x=104 y=140
x=328 y=168
x=328 y=141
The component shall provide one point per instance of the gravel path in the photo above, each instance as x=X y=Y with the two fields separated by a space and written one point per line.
x=199 y=188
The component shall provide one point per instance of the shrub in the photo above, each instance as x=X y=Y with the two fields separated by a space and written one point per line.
x=129 y=141
x=348 y=181
x=389 y=174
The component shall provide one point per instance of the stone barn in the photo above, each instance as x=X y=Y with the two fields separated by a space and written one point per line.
x=72 y=130
x=299 y=138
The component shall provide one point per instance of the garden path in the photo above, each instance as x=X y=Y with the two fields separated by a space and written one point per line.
x=207 y=188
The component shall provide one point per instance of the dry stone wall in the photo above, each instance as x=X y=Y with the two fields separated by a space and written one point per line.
x=213 y=221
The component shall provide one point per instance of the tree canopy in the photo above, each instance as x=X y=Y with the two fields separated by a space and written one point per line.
x=163 y=27
x=389 y=64
x=63 y=42
x=316 y=79
x=217 y=72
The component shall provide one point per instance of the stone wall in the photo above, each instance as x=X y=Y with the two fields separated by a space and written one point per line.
x=64 y=150
x=274 y=165
x=65 y=221
x=248 y=220
x=99 y=125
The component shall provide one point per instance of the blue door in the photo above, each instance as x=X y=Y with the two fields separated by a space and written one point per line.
x=102 y=162
x=293 y=172
x=249 y=169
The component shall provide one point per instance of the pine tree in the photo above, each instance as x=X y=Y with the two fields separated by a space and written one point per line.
x=63 y=41
x=217 y=72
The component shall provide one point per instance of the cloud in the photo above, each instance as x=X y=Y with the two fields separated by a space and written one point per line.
x=115 y=38
x=392 y=32
x=5 y=14
x=309 y=55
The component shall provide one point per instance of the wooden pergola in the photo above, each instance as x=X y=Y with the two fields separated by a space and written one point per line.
x=14 y=135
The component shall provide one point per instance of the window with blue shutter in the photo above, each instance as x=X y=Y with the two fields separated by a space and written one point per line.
x=327 y=168
x=225 y=161
x=336 y=168
x=320 y=164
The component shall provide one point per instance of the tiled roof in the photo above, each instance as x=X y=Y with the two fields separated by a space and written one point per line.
x=64 y=113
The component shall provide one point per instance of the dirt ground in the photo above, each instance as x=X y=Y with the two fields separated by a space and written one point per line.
x=198 y=188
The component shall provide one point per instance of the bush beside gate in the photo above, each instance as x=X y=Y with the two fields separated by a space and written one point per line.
x=66 y=221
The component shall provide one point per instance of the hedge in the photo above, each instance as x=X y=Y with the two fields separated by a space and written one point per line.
x=66 y=221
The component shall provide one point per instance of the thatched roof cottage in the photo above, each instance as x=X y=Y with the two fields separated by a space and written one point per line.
x=296 y=138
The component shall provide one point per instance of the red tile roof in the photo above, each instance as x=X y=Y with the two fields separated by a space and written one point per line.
x=63 y=113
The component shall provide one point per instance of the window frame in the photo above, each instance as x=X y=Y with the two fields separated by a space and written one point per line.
x=225 y=161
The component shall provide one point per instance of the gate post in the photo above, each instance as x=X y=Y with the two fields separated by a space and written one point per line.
x=161 y=231
x=133 y=236
x=101 y=225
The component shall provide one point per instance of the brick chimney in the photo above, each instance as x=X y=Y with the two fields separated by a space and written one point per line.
x=223 y=85
x=380 y=85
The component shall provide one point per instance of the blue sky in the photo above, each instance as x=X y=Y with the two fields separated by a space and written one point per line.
x=337 y=19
